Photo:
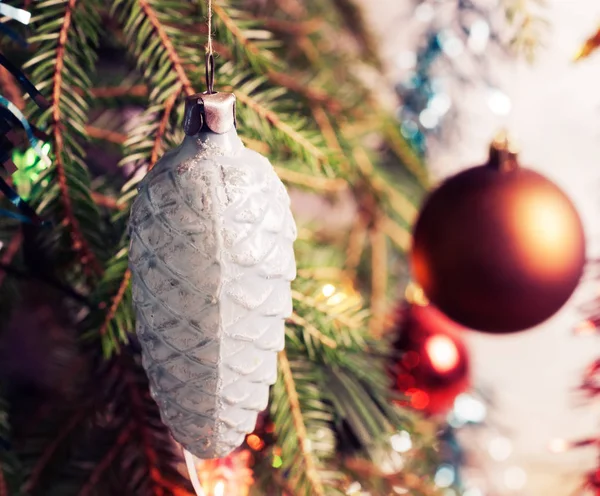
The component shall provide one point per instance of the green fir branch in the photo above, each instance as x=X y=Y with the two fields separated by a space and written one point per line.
x=109 y=439
x=66 y=35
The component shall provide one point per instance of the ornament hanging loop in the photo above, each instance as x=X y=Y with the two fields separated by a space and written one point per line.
x=503 y=153
x=210 y=73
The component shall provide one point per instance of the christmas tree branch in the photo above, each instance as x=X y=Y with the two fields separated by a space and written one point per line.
x=232 y=27
x=80 y=245
x=333 y=185
x=379 y=278
x=108 y=459
x=312 y=330
x=356 y=243
x=62 y=67
x=77 y=416
x=400 y=236
x=115 y=91
x=105 y=135
x=342 y=319
x=161 y=31
x=247 y=49
x=326 y=128
x=294 y=403
x=116 y=302
x=276 y=121
x=140 y=421
x=162 y=127
x=112 y=326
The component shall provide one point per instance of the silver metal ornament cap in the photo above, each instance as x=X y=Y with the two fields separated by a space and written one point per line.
x=213 y=112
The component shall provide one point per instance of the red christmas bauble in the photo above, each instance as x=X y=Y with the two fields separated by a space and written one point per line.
x=432 y=368
x=498 y=248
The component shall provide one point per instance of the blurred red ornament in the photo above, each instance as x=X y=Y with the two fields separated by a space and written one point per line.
x=498 y=248
x=433 y=365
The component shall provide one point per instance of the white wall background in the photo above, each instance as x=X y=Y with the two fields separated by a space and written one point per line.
x=556 y=119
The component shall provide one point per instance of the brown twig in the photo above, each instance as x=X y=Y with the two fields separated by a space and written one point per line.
x=231 y=26
x=400 y=236
x=166 y=42
x=11 y=89
x=107 y=201
x=292 y=82
x=379 y=277
x=116 y=301
x=340 y=318
x=356 y=244
x=107 y=459
x=275 y=121
x=79 y=243
x=293 y=8
x=156 y=147
x=312 y=330
x=398 y=202
x=326 y=128
x=315 y=95
x=51 y=448
x=316 y=183
x=114 y=91
x=257 y=146
x=105 y=135
x=302 y=435
x=293 y=28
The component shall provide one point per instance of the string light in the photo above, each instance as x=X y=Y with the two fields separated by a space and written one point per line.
x=500 y=449
x=442 y=352
x=219 y=489
x=401 y=442
x=354 y=488
x=515 y=478
x=498 y=102
x=469 y=409
x=445 y=476
x=415 y=295
x=255 y=442
x=277 y=461
x=559 y=445
x=586 y=328
x=343 y=293
x=328 y=290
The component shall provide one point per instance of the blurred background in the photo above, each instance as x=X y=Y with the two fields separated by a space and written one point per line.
x=362 y=107
x=551 y=106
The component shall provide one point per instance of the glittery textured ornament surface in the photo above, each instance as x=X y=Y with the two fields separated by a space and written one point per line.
x=212 y=259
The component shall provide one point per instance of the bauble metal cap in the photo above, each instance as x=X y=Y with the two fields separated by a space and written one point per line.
x=209 y=111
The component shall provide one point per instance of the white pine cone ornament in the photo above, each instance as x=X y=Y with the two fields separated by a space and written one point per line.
x=212 y=260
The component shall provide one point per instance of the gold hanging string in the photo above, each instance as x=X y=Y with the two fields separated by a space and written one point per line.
x=210 y=58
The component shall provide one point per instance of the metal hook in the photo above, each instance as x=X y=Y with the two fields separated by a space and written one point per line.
x=210 y=73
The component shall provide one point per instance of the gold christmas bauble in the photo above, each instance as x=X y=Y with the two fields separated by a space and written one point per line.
x=498 y=248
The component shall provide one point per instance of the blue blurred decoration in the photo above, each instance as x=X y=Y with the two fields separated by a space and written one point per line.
x=456 y=37
x=469 y=410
